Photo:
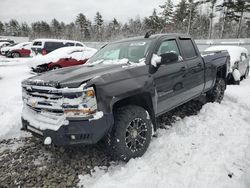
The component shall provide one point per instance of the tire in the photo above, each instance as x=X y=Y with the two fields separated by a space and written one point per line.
x=15 y=55
x=216 y=94
x=246 y=73
x=125 y=141
x=55 y=67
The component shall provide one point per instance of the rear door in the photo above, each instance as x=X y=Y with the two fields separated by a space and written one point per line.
x=169 y=78
x=195 y=76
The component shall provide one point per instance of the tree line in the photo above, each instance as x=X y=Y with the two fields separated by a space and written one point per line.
x=201 y=19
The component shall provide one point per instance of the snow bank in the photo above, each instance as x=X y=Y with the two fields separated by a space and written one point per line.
x=78 y=53
x=11 y=75
x=199 y=151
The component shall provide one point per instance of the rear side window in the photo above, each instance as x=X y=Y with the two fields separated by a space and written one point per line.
x=53 y=45
x=78 y=44
x=37 y=43
x=188 y=49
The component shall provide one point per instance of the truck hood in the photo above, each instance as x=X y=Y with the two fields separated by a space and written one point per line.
x=72 y=77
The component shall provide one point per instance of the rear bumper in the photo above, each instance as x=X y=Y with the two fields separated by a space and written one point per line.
x=77 y=130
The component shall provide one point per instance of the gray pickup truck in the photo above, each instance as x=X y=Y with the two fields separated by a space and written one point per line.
x=118 y=94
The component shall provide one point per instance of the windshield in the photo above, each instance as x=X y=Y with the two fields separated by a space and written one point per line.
x=123 y=52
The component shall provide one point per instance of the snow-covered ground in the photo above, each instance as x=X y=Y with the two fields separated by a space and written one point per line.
x=12 y=72
x=208 y=150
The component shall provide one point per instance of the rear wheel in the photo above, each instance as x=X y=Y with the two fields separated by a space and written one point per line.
x=131 y=134
x=216 y=94
x=15 y=55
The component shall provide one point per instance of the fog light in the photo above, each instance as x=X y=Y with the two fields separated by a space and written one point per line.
x=73 y=137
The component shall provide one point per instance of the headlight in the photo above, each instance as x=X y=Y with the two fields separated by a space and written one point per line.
x=84 y=106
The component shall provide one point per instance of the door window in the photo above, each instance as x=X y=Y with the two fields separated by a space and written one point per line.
x=168 y=46
x=188 y=49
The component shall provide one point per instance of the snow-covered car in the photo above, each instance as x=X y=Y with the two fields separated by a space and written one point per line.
x=62 y=57
x=4 y=44
x=45 y=46
x=7 y=40
x=5 y=50
x=239 y=62
x=20 y=51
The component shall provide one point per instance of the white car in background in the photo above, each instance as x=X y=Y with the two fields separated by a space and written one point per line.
x=239 y=62
x=4 y=44
x=5 y=50
x=45 y=46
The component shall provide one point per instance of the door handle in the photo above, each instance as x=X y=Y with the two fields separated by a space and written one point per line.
x=199 y=65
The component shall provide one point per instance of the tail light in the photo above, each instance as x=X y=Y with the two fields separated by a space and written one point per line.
x=44 y=52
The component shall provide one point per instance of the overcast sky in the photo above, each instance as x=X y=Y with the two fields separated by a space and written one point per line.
x=67 y=10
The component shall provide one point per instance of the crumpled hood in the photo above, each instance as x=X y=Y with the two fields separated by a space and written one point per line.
x=74 y=76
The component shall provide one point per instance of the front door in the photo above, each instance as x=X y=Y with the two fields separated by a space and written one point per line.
x=169 y=78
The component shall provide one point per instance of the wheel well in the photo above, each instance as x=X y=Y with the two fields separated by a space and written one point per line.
x=144 y=100
x=51 y=66
x=222 y=72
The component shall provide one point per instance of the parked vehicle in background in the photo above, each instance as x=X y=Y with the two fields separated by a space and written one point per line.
x=6 y=50
x=20 y=51
x=60 y=58
x=117 y=95
x=239 y=62
x=45 y=46
x=7 y=40
x=4 y=44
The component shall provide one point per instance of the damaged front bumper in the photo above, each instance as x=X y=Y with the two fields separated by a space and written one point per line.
x=75 y=131
x=65 y=116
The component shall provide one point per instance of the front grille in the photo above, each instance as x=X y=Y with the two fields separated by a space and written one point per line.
x=43 y=99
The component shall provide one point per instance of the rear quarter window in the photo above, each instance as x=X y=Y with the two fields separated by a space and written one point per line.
x=69 y=44
x=78 y=44
x=37 y=43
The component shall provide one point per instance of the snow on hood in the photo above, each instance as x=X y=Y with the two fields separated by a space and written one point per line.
x=17 y=46
x=234 y=52
x=78 y=53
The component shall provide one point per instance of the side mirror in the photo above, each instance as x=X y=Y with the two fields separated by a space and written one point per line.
x=169 y=57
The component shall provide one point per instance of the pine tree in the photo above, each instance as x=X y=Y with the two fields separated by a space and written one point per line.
x=181 y=16
x=167 y=13
x=192 y=9
x=98 y=25
x=25 y=29
x=14 y=27
x=241 y=7
x=84 y=25
x=153 y=22
x=228 y=15
x=212 y=15
x=1 y=28
x=55 y=28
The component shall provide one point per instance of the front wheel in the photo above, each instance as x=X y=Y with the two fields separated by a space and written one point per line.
x=216 y=94
x=15 y=55
x=131 y=133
